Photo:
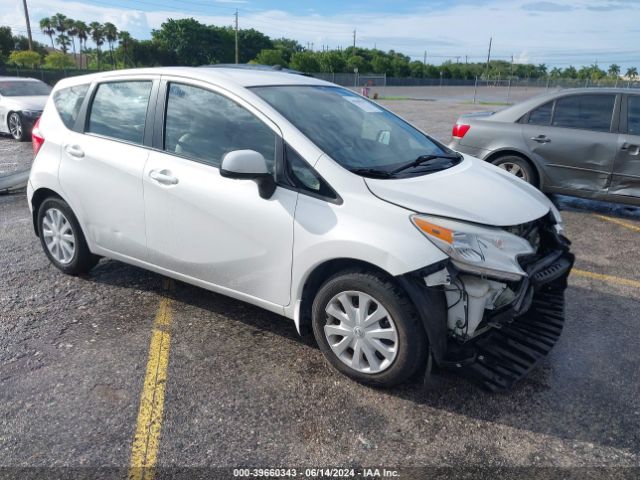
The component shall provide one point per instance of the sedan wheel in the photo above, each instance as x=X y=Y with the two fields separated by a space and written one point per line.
x=58 y=236
x=514 y=169
x=361 y=332
x=518 y=167
x=16 y=127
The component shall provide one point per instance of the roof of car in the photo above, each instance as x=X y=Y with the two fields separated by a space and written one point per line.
x=18 y=79
x=225 y=76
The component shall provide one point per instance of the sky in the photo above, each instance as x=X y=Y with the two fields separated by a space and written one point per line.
x=554 y=32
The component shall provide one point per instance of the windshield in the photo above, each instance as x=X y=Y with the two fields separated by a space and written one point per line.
x=352 y=130
x=23 y=89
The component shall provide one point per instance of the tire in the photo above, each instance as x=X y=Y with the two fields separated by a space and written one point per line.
x=56 y=222
x=405 y=353
x=17 y=127
x=519 y=167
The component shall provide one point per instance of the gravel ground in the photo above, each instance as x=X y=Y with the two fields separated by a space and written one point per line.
x=244 y=389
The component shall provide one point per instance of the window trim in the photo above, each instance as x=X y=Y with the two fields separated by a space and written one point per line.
x=624 y=115
x=82 y=123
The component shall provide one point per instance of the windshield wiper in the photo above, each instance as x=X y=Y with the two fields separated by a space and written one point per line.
x=372 y=172
x=424 y=159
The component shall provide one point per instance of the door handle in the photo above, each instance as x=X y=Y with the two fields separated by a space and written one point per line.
x=74 y=151
x=541 y=139
x=630 y=148
x=163 y=176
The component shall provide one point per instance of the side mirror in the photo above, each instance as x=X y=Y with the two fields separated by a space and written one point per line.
x=249 y=165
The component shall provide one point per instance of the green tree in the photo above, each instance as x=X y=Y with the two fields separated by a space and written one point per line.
x=570 y=72
x=305 y=62
x=58 y=60
x=125 y=42
x=250 y=43
x=82 y=32
x=61 y=24
x=331 y=61
x=270 y=57
x=6 y=43
x=614 y=70
x=25 y=58
x=64 y=42
x=287 y=46
x=48 y=29
x=356 y=61
x=110 y=35
x=188 y=39
x=97 y=35
x=380 y=64
x=72 y=31
x=632 y=73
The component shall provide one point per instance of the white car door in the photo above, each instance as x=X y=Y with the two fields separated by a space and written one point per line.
x=217 y=230
x=102 y=165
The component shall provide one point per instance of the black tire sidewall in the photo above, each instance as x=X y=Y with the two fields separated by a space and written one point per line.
x=82 y=257
x=412 y=342
x=522 y=163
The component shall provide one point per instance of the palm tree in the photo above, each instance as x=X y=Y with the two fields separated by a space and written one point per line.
x=47 y=28
x=125 y=41
x=73 y=33
x=555 y=72
x=82 y=32
x=632 y=73
x=64 y=42
x=97 y=35
x=111 y=35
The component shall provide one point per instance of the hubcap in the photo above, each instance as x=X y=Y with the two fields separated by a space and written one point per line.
x=514 y=169
x=361 y=332
x=58 y=236
x=15 y=126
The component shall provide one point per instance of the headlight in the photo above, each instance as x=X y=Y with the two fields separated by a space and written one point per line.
x=483 y=250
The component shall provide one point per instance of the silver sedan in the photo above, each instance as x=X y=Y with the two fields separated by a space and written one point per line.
x=582 y=142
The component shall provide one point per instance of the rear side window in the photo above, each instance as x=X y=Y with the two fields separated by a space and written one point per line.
x=541 y=115
x=119 y=110
x=587 y=112
x=205 y=125
x=68 y=102
x=633 y=115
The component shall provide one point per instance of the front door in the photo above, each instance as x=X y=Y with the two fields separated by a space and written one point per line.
x=626 y=170
x=576 y=147
x=210 y=228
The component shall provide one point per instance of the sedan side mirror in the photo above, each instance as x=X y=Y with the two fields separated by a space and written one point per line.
x=249 y=165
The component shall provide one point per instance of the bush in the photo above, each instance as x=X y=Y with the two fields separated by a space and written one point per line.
x=25 y=58
x=59 y=60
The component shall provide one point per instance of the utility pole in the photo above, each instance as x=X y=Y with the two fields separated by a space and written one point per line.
x=237 y=52
x=489 y=55
x=26 y=17
x=354 y=38
x=458 y=59
x=466 y=58
x=510 y=77
x=425 y=57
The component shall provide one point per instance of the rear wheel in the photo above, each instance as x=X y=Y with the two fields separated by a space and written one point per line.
x=368 y=329
x=62 y=239
x=17 y=127
x=518 y=167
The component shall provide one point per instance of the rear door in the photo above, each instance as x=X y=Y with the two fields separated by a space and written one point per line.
x=573 y=139
x=102 y=165
x=626 y=170
x=213 y=229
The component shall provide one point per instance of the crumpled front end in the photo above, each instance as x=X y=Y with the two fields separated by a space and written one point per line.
x=499 y=329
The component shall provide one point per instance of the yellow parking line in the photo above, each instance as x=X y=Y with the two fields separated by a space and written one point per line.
x=144 y=451
x=630 y=226
x=606 y=278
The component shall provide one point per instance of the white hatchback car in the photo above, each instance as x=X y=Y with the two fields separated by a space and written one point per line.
x=310 y=201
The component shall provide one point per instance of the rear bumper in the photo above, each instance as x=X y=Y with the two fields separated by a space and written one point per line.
x=455 y=144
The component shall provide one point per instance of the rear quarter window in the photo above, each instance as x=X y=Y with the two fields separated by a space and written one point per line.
x=68 y=102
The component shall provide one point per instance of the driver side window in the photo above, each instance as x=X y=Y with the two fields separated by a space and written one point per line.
x=204 y=126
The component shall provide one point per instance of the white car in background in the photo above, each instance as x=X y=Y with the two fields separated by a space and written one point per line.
x=310 y=201
x=21 y=103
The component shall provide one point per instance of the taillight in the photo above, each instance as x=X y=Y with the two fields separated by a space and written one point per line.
x=459 y=130
x=37 y=139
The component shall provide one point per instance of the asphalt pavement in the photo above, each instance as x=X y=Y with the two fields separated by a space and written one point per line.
x=242 y=389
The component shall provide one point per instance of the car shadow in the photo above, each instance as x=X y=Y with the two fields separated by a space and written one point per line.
x=586 y=390
x=577 y=204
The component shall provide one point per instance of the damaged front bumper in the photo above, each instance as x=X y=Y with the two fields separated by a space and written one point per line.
x=497 y=345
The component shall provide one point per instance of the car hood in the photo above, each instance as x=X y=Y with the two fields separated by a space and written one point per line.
x=35 y=102
x=473 y=191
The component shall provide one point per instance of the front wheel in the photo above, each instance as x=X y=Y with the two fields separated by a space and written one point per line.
x=518 y=167
x=368 y=329
x=62 y=239
x=17 y=127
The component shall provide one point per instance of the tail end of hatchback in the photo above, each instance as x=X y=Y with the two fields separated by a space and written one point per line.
x=37 y=139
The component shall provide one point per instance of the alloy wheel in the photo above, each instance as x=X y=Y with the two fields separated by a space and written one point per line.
x=58 y=236
x=15 y=126
x=514 y=169
x=361 y=332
